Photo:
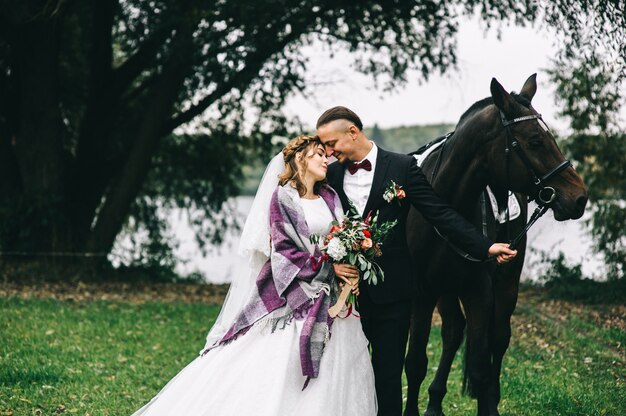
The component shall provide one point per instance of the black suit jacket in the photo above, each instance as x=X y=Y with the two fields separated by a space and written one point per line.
x=400 y=281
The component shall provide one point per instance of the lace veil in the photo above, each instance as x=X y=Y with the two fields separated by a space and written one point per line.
x=255 y=246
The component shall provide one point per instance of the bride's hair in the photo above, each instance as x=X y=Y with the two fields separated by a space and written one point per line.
x=293 y=174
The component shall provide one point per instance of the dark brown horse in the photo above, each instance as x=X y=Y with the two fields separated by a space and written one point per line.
x=502 y=142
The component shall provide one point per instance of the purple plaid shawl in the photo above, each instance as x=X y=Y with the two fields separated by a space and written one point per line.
x=294 y=283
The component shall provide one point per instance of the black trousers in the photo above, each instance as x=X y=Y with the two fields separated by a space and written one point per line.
x=387 y=329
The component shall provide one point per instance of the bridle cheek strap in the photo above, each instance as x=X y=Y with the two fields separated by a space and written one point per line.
x=539 y=182
x=544 y=195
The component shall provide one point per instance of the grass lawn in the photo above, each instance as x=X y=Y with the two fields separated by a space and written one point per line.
x=95 y=357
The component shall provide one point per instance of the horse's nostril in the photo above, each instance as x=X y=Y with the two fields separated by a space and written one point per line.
x=581 y=201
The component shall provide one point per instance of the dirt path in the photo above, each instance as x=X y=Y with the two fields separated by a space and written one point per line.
x=607 y=316
x=137 y=292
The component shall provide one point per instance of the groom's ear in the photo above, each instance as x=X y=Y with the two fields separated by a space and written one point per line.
x=354 y=131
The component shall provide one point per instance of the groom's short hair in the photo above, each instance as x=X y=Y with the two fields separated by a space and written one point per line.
x=339 y=113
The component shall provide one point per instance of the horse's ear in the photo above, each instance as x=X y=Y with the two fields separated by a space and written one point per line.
x=501 y=98
x=530 y=87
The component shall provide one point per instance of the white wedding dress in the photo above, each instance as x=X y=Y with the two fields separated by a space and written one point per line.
x=259 y=373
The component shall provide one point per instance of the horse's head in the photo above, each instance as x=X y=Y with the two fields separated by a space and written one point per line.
x=526 y=158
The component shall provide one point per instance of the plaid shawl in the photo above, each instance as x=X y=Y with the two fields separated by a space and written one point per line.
x=295 y=282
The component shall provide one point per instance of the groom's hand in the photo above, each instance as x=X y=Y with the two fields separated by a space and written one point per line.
x=349 y=274
x=502 y=250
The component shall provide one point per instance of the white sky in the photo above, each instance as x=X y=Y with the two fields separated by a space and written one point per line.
x=519 y=53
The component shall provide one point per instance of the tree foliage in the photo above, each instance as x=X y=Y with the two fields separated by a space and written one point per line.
x=590 y=88
x=112 y=111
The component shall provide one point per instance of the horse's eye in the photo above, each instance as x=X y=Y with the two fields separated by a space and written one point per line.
x=534 y=144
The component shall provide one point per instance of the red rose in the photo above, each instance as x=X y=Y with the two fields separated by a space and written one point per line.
x=401 y=194
x=335 y=228
x=366 y=233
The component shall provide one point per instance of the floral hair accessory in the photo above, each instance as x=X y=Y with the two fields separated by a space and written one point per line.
x=394 y=191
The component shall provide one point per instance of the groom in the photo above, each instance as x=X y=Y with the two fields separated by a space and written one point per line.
x=362 y=174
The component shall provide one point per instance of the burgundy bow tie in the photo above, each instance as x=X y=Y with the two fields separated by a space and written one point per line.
x=353 y=167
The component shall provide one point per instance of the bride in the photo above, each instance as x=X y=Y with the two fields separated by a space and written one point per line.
x=274 y=350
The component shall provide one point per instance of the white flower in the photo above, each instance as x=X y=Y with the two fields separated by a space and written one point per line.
x=336 y=249
x=388 y=196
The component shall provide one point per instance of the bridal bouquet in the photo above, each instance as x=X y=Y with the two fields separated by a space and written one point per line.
x=358 y=242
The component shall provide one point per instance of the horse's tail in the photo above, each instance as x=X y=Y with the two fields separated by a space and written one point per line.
x=467 y=388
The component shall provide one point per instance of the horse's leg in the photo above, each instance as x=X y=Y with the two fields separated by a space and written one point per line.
x=477 y=298
x=416 y=361
x=506 y=286
x=499 y=342
x=452 y=332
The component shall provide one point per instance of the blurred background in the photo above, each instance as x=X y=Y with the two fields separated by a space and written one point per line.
x=133 y=133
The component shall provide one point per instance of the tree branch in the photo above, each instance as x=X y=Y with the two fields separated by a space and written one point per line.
x=124 y=75
x=254 y=63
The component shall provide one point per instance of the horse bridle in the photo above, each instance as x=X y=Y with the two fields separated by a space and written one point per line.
x=543 y=195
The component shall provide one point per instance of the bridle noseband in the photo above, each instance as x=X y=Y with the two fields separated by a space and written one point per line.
x=543 y=195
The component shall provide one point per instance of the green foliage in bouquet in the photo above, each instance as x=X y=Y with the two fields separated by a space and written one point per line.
x=358 y=242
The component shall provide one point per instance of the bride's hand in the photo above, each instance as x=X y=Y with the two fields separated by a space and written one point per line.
x=345 y=272
x=348 y=274
x=355 y=286
x=354 y=283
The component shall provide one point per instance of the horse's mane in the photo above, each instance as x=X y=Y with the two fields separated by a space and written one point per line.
x=479 y=105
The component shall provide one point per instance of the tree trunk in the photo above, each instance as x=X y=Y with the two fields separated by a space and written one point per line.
x=90 y=174
x=127 y=185
x=38 y=143
x=10 y=181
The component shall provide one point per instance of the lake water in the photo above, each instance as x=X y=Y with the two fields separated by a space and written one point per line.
x=547 y=235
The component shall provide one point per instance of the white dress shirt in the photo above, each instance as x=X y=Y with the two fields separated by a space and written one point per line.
x=358 y=186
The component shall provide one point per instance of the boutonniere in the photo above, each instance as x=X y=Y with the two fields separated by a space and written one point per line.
x=394 y=191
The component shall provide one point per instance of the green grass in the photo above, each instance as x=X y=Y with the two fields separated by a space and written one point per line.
x=96 y=358
x=560 y=362
x=109 y=358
